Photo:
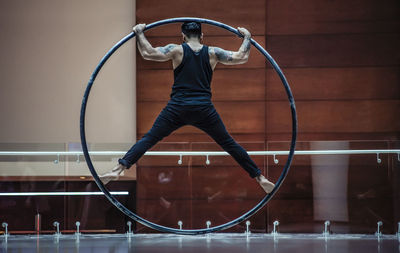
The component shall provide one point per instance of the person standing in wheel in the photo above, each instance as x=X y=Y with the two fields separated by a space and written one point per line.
x=190 y=101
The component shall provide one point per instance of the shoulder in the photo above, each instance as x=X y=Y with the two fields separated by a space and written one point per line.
x=220 y=54
x=212 y=50
x=171 y=48
x=215 y=50
x=174 y=46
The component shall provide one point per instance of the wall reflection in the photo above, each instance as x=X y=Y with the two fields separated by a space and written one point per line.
x=330 y=180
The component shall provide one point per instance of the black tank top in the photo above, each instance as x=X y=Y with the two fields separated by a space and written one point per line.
x=192 y=78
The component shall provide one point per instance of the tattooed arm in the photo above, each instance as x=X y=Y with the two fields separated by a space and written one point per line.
x=229 y=57
x=148 y=52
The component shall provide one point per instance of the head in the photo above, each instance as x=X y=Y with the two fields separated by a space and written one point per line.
x=191 y=30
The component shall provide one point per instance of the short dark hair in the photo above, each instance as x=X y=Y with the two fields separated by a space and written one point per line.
x=191 y=29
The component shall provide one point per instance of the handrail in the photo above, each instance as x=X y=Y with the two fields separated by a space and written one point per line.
x=202 y=153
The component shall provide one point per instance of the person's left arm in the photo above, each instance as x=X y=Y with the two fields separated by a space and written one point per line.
x=232 y=58
x=151 y=53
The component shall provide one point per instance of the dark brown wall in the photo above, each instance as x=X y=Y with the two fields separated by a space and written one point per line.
x=342 y=61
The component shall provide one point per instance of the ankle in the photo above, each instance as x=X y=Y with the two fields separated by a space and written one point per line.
x=119 y=168
x=259 y=178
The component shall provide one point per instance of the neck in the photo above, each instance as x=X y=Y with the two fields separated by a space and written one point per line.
x=193 y=41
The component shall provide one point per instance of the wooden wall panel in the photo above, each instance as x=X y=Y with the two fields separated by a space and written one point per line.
x=234 y=13
x=154 y=85
x=335 y=50
x=334 y=136
x=339 y=16
x=227 y=85
x=336 y=83
x=335 y=116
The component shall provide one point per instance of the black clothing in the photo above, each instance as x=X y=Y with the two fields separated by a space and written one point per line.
x=190 y=104
x=204 y=117
x=192 y=78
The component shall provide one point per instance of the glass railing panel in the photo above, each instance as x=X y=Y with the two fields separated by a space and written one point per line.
x=22 y=175
x=222 y=190
x=394 y=174
x=95 y=212
x=294 y=195
x=77 y=167
x=59 y=187
x=31 y=167
x=163 y=187
x=353 y=191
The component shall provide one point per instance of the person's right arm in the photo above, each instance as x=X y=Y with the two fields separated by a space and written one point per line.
x=231 y=58
x=149 y=52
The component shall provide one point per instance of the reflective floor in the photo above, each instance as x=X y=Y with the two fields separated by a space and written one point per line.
x=219 y=243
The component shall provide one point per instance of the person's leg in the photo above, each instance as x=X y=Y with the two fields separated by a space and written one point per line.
x=212 y=124
x=166 y=122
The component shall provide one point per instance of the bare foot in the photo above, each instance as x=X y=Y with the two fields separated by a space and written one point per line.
x=113 y=174
x=265 y=184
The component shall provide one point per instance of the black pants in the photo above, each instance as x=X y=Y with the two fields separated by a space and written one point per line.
x=204 y=117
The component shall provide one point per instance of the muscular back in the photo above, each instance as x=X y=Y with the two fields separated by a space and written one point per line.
x=175 y=52
x=216 y=54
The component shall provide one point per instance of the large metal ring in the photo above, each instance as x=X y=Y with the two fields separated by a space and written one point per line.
x=136 y=217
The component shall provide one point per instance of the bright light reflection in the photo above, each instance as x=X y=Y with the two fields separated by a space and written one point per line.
x=59 y=193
